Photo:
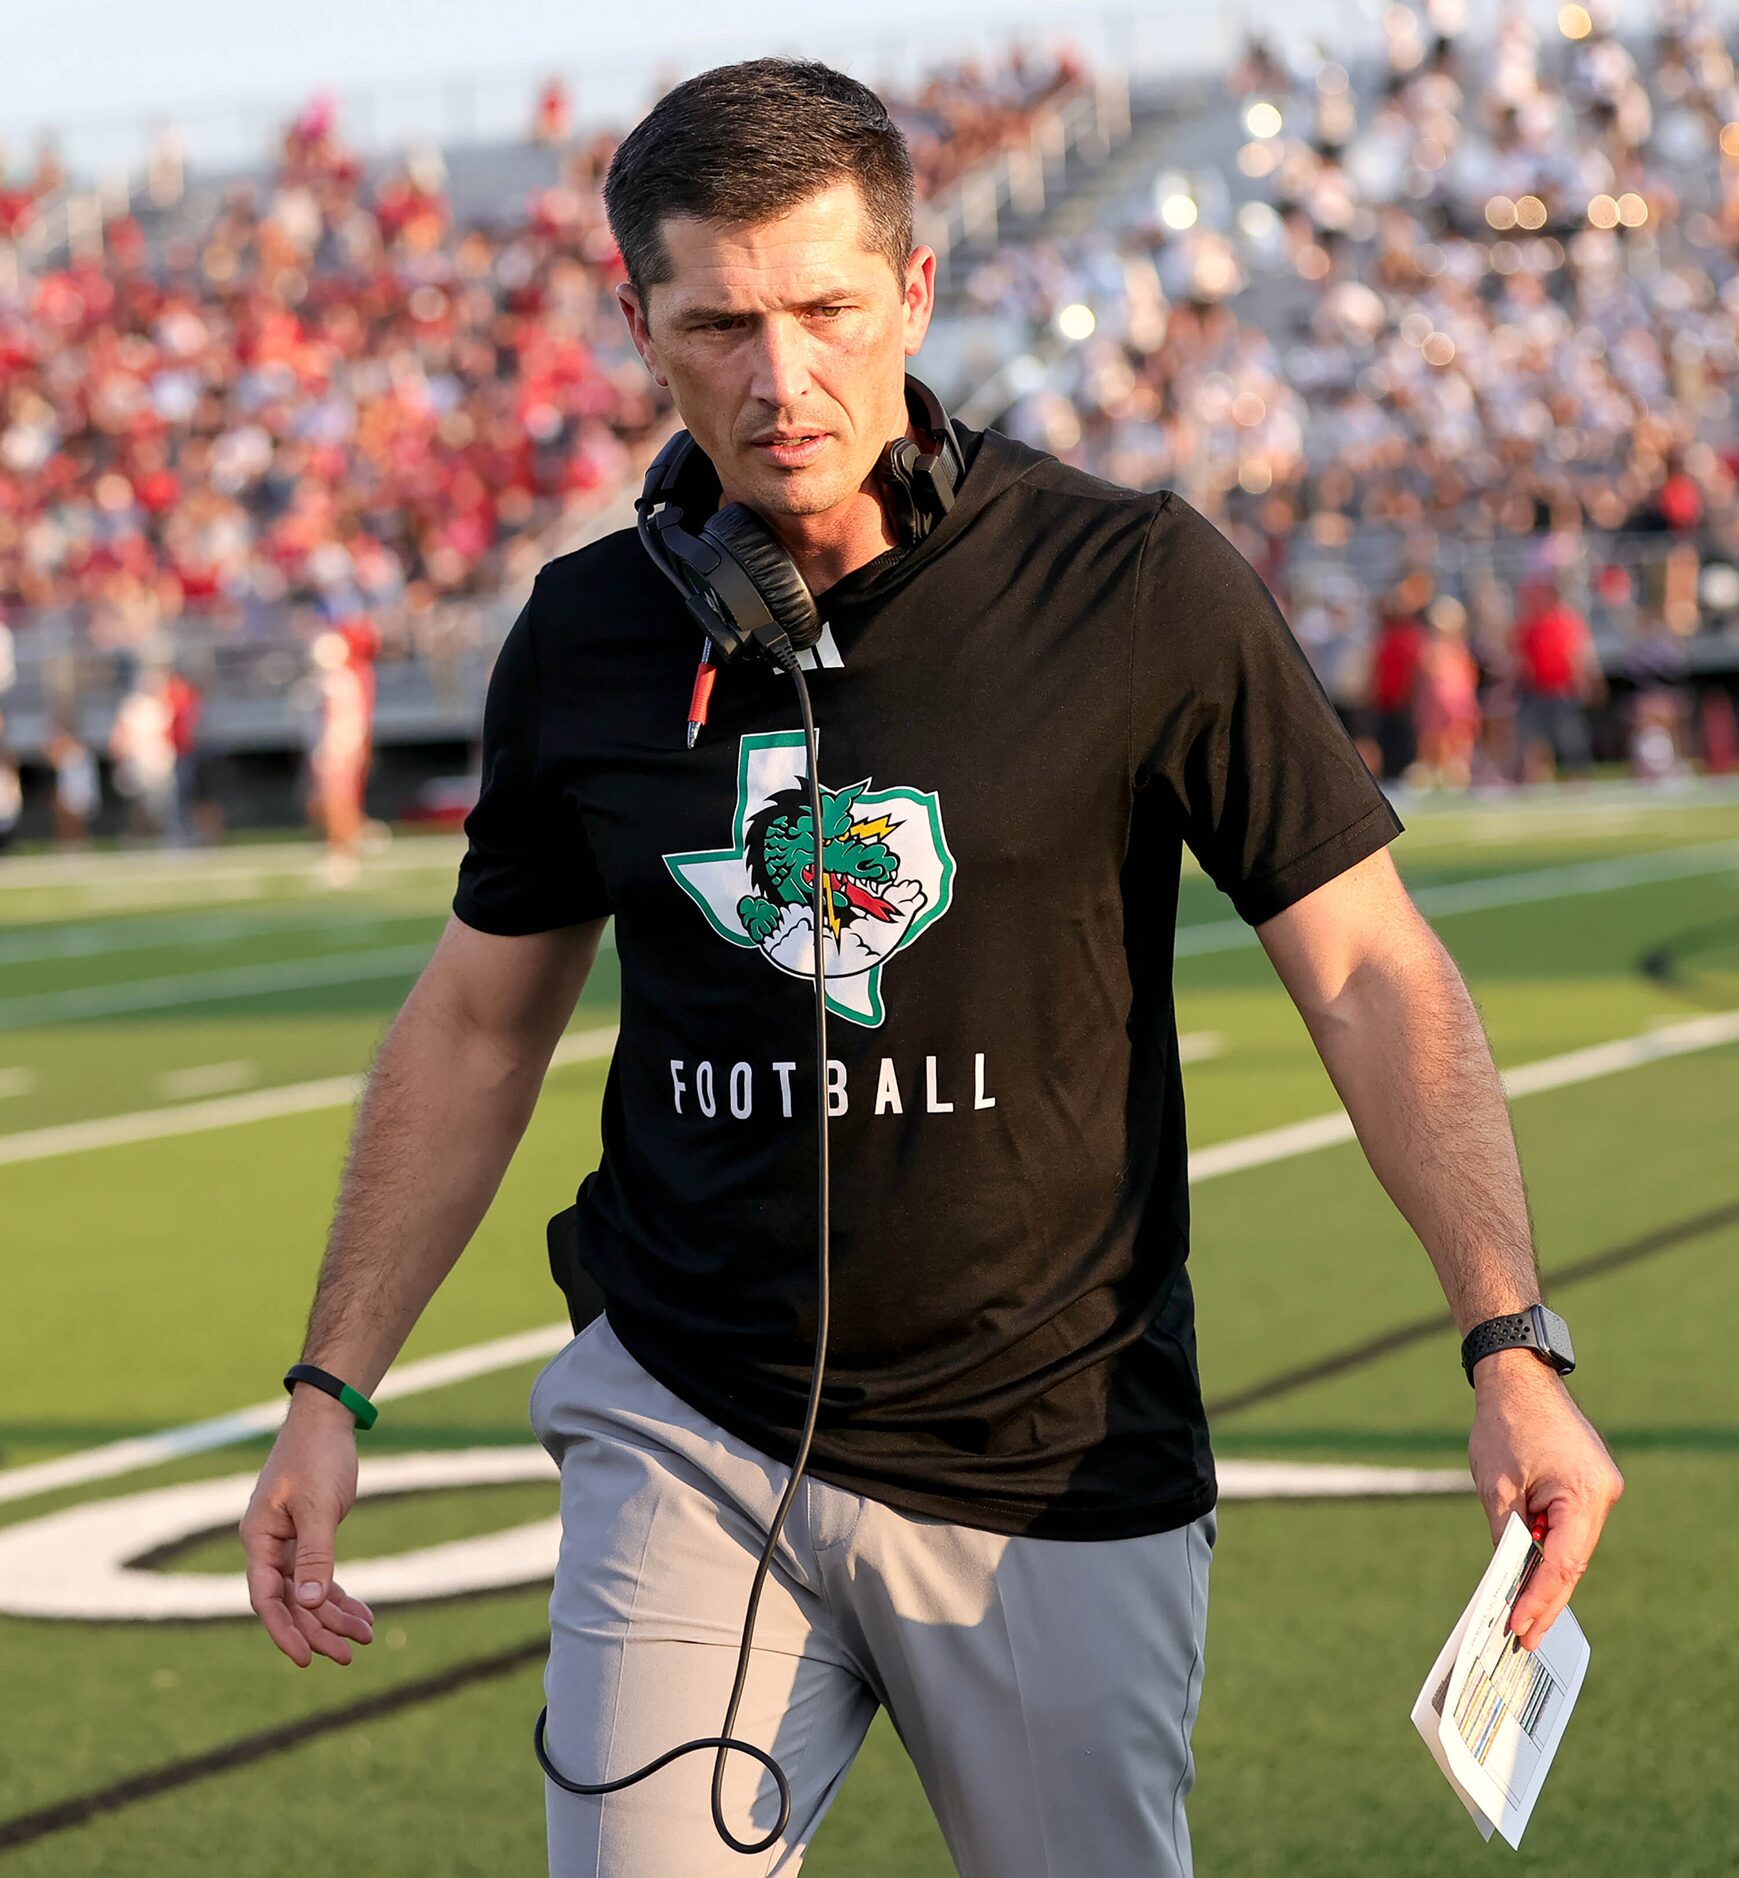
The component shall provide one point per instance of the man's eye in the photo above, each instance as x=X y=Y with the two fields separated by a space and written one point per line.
x=829 y=312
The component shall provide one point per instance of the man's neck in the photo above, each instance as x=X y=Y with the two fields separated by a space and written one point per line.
x=827 y=547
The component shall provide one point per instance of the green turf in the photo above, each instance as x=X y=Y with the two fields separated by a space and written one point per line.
x=152 y=1284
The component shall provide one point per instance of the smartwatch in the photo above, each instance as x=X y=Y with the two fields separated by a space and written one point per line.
x=1538 y=1328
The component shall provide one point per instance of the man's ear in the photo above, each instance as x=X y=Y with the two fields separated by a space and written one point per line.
x=919 y=296
x=638 y=330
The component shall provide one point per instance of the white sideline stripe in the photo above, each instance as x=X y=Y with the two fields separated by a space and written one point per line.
x=151 y=932
x=17 y=1082
x=222 y=1431
x=232 y=981
x=207 y=1079
x=1551 y=1072
x=269 y=860
x=1275 y=1144
x=254 y=1105
x=241 y=981
x=1477 y=896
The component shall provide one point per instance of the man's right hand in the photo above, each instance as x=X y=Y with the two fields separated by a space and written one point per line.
x=288 y=1532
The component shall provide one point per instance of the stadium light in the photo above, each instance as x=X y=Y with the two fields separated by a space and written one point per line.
x=1575 y=22
x=1500 y=213
x=1632 y=210
x=1076 y=321
x=1603 y=212
x=1531 y=212
x=1262 y=119
x=1178 y=211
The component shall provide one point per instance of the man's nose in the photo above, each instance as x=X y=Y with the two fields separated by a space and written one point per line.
x=781 y=373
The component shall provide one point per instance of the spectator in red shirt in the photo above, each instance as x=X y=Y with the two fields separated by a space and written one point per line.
x=1557 y=678
x=1395 y=655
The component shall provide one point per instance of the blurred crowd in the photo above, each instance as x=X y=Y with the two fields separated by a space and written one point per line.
x=1461 y=311
x=328 y=397
x=333 y=392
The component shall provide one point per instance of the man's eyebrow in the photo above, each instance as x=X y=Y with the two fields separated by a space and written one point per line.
x=830 y=296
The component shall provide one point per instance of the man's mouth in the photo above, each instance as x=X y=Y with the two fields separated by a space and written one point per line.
x=791 y=447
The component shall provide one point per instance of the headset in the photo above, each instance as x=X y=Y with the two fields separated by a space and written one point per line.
x=748 y=595
x=733 y=573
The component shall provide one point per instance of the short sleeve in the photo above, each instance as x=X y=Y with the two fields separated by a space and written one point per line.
x=1231 y=723
x=528 y=866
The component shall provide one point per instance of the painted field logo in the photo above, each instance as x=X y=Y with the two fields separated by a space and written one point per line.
x=887 y=869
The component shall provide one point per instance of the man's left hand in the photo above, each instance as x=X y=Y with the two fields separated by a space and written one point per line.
x=1534 y=1453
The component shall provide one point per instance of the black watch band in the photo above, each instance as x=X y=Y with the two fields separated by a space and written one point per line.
x=1537 y=1328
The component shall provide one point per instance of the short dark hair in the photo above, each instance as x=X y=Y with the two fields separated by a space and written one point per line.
x=747 y=143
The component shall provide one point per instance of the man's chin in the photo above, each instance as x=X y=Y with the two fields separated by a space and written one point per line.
x=808 y=491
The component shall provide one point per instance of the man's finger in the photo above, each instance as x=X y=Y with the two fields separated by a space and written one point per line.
x=339 y=1616
x=316 y=1532
x=319 y=1637
x=1568 y=1545
x=354 y=1606
x=266 y=1595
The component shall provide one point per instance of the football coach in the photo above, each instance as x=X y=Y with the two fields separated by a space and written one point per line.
x=1033 y=690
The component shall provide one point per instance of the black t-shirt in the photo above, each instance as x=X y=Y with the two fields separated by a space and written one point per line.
x=1021 y=721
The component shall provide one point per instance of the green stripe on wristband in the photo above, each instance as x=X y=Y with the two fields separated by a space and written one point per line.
x=353 y=1399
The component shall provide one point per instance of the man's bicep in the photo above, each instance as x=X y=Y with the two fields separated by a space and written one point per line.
x=516 y=991
x=1363 y=915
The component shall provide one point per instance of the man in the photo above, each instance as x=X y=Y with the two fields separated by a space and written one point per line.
x=1025 y=713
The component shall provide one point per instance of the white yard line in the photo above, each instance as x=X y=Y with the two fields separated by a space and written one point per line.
x=222 y=1431
x=206 y=1079
x=232 y=981
x=1226 y=1157
x=240 y=981
x=271 y=860
x=254 y=1105
x=1495 y=890
x=1551 y=1072
x=153 y=932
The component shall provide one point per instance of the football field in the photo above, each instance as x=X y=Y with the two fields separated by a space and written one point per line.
x=179 y=1040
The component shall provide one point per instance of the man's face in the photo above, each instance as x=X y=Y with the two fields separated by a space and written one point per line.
x=784 y=346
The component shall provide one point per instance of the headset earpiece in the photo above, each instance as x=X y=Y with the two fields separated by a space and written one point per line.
x=739 y=533
x=735 y=576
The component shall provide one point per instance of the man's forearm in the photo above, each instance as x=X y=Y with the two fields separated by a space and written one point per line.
x=1409 y=1057
x=439 y=1121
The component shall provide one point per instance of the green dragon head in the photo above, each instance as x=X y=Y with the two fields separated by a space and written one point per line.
x=781 y=851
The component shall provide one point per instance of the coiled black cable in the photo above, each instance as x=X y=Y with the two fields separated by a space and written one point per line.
x=725 y=1741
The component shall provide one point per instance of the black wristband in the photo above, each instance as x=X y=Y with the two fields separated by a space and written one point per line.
x=353 y=1399
x=1538 y=1328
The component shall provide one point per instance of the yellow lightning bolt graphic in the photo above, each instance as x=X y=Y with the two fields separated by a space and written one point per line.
x=827 y=901
x=882 y=825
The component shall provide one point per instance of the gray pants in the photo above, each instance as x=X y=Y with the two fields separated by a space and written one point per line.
x=1044 y=1688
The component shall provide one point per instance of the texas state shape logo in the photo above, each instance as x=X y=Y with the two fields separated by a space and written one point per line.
x=888 y=873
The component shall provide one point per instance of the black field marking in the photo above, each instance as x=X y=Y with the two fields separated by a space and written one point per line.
x=26 y=1828
x=1596 y=1265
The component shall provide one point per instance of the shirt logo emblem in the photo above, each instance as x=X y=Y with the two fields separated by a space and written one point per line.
x=888 y=871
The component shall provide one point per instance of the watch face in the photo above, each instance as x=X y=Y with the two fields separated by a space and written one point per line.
x=1554 y=1336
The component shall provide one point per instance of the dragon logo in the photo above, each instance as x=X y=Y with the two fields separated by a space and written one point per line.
x=886 y=869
